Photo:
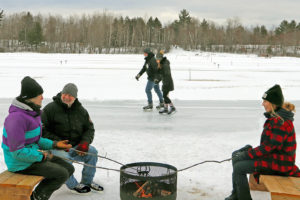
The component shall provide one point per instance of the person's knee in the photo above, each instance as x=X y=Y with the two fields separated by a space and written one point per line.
x=63 y=173
x=93 y=150
x=148 y=89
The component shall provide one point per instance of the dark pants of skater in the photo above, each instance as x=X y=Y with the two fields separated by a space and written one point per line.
x=167 y=100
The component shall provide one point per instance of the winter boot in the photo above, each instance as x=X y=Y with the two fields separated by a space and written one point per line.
x=233 y=196
x=159 y=106
x=96 y=187
x=81 y=189
x=164 y=111
x=148 y=107
x=172 y=111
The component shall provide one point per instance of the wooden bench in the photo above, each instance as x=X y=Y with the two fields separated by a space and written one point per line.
x=17 y=186
x=280 y=187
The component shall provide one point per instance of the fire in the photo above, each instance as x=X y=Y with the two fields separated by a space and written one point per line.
x=141 y=192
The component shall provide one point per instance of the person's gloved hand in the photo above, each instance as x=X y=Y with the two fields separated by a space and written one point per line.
x=137 y=77
x=240 y=156
x=156 y=81
x=83 y=146
x=245 y=148
x=63 y=144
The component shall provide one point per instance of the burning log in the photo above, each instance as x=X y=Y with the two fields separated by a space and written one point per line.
x=140 y=189
x=165 y=193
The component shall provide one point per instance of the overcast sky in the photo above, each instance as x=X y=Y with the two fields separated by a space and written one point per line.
x=249 y=12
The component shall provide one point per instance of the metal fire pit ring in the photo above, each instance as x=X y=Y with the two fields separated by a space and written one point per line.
x=149 y=180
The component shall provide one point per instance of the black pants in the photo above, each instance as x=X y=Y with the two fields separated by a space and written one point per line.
x=240 y=180
x=167 y=100
x=56 y=172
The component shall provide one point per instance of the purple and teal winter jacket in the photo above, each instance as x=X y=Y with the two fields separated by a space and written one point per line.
x=22 y=137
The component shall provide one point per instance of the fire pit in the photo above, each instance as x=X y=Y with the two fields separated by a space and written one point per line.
x=141 y=180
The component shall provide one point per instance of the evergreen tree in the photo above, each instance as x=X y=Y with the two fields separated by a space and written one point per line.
x=35 y=35
x=204 y=25
x=263 y=31
x=1 y=15
x=27 y=23
x=184 y=17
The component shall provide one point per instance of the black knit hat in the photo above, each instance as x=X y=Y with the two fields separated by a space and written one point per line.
x=274 y=95
x=30 y=88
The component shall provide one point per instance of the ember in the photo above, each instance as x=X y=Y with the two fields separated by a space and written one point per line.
x=148 y=180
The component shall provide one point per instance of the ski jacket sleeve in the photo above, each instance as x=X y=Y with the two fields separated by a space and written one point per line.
x=29 y=155
x=45 y=143
x=144 y=68
x=273 y=137
x=89 y=132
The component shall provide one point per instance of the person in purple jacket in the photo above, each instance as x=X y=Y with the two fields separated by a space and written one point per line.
x=25 y=150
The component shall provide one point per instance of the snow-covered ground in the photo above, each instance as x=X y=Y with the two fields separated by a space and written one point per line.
x=217 y=96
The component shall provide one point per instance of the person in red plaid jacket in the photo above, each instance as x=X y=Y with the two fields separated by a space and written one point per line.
x=276 y=153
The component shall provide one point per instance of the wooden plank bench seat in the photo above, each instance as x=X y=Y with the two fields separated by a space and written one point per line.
x=17 y=186
x=280 y=187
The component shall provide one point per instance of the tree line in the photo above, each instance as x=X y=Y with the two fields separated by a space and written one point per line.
x=105 y=33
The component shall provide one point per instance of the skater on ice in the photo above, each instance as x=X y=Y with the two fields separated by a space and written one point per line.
x=165 y=75
x=150 y=67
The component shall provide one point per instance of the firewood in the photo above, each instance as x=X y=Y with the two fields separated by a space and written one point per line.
x=165 y=193
x=138 y=190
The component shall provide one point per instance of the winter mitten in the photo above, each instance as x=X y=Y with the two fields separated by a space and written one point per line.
x=83 y=146
x=240 y=156
x=137 y=77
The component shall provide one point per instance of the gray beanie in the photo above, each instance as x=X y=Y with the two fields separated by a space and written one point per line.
x=70 y=89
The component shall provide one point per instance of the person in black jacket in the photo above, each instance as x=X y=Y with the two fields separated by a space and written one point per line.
x=150 y=66
x=166 y=77
x=66 y=119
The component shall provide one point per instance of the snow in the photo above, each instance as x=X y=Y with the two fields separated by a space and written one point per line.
x=218 y=111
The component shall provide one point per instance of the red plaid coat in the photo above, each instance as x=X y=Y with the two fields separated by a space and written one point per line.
x=277 y=150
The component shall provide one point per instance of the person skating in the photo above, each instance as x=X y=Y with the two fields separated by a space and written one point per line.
x=65 y=118
x=150 y=67
x=24 y=147
x=167 y=82
x=276 y=153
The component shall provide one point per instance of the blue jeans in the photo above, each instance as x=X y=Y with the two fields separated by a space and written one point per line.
x=88 y=173
x=149 y=86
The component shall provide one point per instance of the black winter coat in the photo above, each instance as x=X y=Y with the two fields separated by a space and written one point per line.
x=63 y=123
x=150 y=66
x=165 y=75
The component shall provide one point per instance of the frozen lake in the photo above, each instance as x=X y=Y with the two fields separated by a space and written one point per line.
x=200 y=130
x=218 y=98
